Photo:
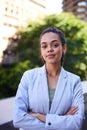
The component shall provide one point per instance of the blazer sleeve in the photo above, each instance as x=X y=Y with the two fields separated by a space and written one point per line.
x=69 y=122
x=21 y=117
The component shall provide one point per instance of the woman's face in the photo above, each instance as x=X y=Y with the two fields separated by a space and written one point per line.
x=51 y=48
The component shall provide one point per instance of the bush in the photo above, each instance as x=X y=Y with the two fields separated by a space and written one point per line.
x=10 y=78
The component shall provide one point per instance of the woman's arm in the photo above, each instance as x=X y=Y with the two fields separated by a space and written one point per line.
x=69 y=122
x=72 y=120
x=42 y=117
x=22 y=119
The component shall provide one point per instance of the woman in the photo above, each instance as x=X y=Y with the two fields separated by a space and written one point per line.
x=49 y=97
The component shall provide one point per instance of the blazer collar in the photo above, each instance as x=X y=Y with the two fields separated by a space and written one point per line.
x=61 y=84
x=43 y=71
x=58 y=92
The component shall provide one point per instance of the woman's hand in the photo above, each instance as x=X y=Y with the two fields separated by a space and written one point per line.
x=73 y=110
x=39 y=116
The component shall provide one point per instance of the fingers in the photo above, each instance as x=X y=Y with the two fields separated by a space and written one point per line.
x=33 y=114
x=73 y=110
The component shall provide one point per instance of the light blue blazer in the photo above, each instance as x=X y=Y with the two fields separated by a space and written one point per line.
x=33 y=94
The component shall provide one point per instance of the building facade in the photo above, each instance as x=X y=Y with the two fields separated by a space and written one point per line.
x=78 y=7
x=13 y=16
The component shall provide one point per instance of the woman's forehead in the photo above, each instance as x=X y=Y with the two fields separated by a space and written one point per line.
x=50 y=36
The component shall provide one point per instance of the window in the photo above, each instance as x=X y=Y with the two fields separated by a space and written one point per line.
x=83 y=3
x=81 y=10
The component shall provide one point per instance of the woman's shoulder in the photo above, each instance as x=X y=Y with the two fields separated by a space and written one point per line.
x=30 y=75
x=33 y=73
x=72 y=76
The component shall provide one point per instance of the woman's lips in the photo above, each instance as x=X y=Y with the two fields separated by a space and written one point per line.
x=50 y=55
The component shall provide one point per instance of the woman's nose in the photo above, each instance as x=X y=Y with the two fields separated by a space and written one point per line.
x=50 y=49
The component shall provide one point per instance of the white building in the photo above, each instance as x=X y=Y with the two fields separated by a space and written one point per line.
x=13 y=16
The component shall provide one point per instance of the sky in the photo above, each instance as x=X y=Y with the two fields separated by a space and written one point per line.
x=54 y=6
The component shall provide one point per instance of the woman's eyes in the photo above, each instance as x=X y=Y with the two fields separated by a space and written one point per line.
x=54 y=45
x=43 y=46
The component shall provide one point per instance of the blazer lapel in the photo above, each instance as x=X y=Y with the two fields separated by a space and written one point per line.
x=59 y=91
x=44 y=93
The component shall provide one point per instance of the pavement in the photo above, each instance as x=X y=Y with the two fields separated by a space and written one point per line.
x=6 y=110
x=6 y=114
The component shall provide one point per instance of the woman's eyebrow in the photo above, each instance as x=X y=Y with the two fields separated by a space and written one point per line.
x=43 y=42
x=50 y=41
x=54 y=41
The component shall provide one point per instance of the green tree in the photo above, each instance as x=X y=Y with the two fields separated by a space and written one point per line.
x=10 y=78
x=29 y=53
x=76 y=38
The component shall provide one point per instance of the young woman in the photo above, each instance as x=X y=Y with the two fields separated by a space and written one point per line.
x=49 y=97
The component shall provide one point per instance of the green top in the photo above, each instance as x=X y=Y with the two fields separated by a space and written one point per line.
x=51 y=95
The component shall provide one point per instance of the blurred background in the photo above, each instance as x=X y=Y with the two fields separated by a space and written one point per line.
x=21 y=22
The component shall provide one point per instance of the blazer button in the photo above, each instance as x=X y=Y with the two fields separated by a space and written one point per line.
x=49 y=123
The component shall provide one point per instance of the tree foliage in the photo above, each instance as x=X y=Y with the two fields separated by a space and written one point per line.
x=76 y=38
x=29 y=53
x=10 y=77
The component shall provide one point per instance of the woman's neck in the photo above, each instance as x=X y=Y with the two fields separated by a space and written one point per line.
x=53 y=69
